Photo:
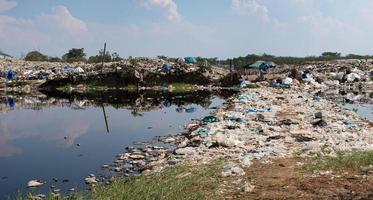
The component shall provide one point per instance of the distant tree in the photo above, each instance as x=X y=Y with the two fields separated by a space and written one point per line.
x=162 y=57
x=355 y=56
x=98 y=58
x=134 y=62
x=115 y=57
x=54 y=59
x=331 y=54
x=35 y=56
x=74 y=55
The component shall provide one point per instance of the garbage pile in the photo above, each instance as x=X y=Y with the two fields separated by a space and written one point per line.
x=260 y=124
x=281 y=118
x=16 y=69
x=267 y=123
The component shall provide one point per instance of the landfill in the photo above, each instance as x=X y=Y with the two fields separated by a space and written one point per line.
x=13 y=69
x=295 y=111
x=299 y=116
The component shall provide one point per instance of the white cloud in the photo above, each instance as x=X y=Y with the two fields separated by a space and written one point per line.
x=7 y=5
x=19 y=33
x=169 y=5
x=324 y=25
x=250 y=7
x=62 y=17
x=40 y=31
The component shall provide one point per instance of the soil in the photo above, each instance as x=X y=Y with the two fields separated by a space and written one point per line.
x=283 y=179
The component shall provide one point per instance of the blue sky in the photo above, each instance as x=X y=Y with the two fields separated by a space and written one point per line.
x=211 y=28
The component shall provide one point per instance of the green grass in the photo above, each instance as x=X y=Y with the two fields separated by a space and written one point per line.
x=181 y=87
x=344 y=161
x=18 y=83
x=178 y=182
x=34 y=195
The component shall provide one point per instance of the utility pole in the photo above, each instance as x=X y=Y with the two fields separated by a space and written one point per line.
x=103 y=58
x=105 y=117
x=231 y=67
x=103 y=107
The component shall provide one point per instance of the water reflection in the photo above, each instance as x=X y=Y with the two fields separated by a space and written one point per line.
x=142 y=101
x=40 y=132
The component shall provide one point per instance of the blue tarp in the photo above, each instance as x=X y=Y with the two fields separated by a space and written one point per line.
x=267 y=65
x=167 y=103
x=166 y=67
x=190 y=60
x=68 y=69
x=11 y=103
x=10 y=75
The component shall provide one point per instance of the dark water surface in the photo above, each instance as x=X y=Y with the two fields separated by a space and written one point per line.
x=66 y=139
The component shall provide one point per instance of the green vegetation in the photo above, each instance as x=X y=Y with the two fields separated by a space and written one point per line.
x=134 y=62
x=18 y=83
x=107 y=58
x=54 y=59
x=181 y=87
x=36 y=56
x=115 y=57
x=344 y=161
x=92 y=87
x=50 y=196
x=75 y=55
x=178 y=182
x=241 y=62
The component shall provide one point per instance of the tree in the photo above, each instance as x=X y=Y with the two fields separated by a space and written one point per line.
x=74 y=55
x=54 y=59
x=35 y=56
x=115 y=57
x=331 y=54
x=98 y=58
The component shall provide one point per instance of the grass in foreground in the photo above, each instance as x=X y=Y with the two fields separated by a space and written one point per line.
x=50 y=196
x=179 y=182
x=344 y=161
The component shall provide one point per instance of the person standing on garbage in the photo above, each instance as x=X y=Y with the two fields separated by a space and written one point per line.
x=263 y=70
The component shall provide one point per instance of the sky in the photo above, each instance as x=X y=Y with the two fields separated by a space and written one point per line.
x=177 y=28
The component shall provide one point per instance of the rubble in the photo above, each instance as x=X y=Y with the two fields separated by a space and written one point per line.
x=14 y=69
x=266 y=123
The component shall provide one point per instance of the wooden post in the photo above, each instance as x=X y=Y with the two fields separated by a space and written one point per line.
x=230 y=65
x=103 y=107
x=103 y=58
x=105 y=117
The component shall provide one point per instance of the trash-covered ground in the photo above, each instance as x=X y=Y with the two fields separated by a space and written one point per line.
x=291 y=115
x=269 y=123
x=12 y=69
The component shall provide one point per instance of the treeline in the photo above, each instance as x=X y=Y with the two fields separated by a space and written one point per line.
x=74 y=55
x=78 y=55
x=326 y=56
x=252 y=58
